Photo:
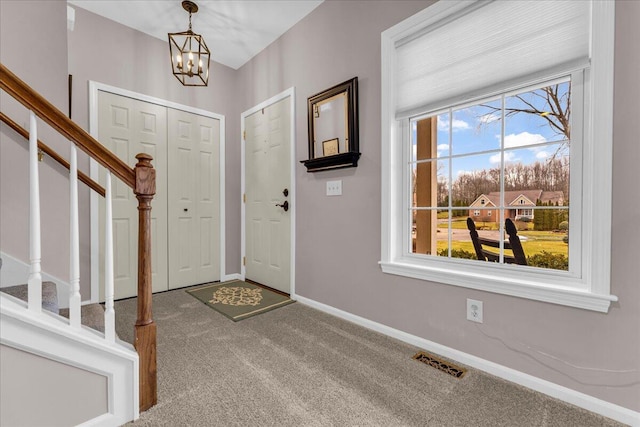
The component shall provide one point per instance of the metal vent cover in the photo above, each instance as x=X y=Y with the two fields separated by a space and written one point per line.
x=439 y=364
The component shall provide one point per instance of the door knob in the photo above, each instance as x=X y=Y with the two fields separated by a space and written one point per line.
x=285 y=192
x=284 y=206
x=186 y=210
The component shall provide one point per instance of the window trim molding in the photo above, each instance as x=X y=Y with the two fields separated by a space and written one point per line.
x=592 y=290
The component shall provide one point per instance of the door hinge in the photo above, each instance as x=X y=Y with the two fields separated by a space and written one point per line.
x=244 y=135
x=244 y=260
x=244 y=197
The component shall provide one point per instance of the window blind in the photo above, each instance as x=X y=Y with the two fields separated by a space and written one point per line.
x=490 y=46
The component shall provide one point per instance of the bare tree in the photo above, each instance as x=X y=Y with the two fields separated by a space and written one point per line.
x=555 y=109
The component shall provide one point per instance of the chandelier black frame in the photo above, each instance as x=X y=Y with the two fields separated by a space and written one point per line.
x=189 y=53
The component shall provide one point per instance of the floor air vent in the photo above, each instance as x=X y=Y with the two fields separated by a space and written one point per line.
x=449 y=368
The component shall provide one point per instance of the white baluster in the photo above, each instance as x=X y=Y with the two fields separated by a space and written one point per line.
x=74 y=250
x=35 y=276
x=109 y=313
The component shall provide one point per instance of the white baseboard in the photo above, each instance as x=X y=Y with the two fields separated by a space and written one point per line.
x=590 y=403
x=16 y=272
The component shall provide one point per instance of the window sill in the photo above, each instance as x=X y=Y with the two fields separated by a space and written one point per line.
x=523 y=286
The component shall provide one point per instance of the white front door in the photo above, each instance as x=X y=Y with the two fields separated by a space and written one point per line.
x=128 y=127
x=194 y=194
x=268 y=184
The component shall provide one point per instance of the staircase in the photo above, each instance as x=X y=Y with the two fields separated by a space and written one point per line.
x=92 y=315
x=49 y=294
x=91 y=377
x=76 y=361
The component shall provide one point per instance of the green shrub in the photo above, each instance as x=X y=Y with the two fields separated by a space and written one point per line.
x=546 y=259
x=564 y=225
x=458 y=253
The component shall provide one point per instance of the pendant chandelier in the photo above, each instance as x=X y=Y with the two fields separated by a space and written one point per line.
x=189 y=53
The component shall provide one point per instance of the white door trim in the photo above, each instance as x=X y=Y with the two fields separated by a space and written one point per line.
x=291 y=93
x=94 y=88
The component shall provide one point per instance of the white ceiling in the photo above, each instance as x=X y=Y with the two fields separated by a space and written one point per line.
x=234 y=31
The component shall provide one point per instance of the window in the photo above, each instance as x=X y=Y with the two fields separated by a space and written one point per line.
x=515 y=148
x=504 y=123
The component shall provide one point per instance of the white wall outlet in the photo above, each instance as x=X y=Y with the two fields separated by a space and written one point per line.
x=334 y=188
x=474 y=310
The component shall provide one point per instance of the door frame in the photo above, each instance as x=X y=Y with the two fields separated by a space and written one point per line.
x=289 y=93
x=94 y=88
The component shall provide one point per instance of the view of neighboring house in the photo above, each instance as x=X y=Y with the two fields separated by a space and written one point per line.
x=519 y=204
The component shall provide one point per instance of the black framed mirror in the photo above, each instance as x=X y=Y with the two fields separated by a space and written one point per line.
x=333 y=128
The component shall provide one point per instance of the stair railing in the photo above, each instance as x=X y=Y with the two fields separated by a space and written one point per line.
x=141 y=179
x=51 y=153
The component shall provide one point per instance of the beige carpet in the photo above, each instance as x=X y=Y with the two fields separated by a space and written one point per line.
x=296 y=366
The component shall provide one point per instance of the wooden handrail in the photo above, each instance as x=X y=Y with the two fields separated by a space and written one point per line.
x=55 y=118
x=52 y=153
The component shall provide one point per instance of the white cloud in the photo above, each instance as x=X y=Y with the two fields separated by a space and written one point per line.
x=443 y=125
x=489 y=118
x=523 y=139
x=460 y=125
x=542 y=155
x=443 y=147
x=509 y=156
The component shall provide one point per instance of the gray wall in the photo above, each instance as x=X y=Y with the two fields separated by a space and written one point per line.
x=41 y=392
x=42 y=63
x=595 y=353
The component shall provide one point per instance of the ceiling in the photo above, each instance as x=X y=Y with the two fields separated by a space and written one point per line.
x=235 y=31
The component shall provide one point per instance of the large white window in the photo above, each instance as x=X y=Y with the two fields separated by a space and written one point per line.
x=488 y=117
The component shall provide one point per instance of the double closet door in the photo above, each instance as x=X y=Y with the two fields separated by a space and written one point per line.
x=185 y=214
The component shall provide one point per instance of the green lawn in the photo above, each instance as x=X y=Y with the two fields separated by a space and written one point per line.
x=461 y=224
x=530 y=247
x=535 y=243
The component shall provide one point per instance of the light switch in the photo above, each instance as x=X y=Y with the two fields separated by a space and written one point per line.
x=334 y=188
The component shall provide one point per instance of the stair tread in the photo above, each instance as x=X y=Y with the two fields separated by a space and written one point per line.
x=92 y=315
x=49 y=295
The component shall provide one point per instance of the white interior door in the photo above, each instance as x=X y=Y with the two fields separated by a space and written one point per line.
x=194 y=194
x=128 y=127
x=267 y=179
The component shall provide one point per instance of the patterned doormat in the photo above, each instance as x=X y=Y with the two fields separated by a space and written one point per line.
x=239 y=300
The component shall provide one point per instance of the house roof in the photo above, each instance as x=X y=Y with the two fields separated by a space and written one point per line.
x=530 y=196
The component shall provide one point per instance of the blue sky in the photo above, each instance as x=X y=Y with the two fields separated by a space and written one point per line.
x=476 y=128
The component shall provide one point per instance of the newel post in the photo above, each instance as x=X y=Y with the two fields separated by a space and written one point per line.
x=145 y=329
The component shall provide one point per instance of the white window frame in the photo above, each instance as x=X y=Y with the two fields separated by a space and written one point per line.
x=589 y=288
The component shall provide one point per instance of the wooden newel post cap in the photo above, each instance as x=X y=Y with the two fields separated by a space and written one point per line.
x=145 y=175
x=144 y=160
